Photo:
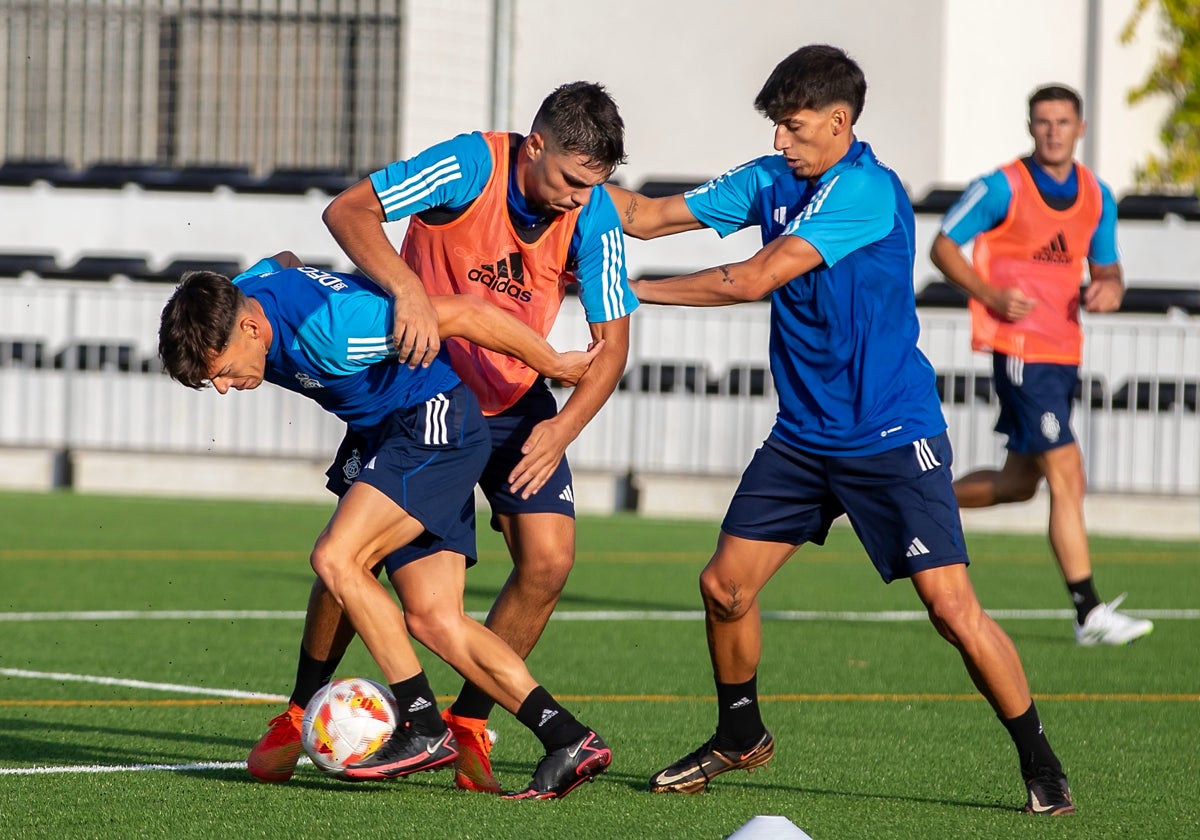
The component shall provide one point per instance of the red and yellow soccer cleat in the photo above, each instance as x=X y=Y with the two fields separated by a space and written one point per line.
x=274 y=757
x=473 y=769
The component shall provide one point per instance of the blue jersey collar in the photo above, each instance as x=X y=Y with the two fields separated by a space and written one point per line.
x=857 y=149
x=522 y=213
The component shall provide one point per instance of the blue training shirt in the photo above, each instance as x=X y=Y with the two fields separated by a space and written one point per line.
x=331 y=331
x=984 y=205
x=454 y=172
x=843 y=351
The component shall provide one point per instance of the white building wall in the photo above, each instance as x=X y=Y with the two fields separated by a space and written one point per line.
x=947 y=80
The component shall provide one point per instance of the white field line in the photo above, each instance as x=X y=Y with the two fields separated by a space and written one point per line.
x=127 y=768
x=231 y=693
x=592 y=615
x=578 y=615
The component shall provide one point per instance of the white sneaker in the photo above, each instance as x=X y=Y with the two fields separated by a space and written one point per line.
x=1105 y=626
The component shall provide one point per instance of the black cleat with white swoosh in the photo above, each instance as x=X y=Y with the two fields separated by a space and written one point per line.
x=1050 y=795
x=406 y=752
x=693 y=772
x=561 y=771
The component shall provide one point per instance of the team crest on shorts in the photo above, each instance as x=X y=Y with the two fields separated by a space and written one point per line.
x=1050 y=427
x=352 y=467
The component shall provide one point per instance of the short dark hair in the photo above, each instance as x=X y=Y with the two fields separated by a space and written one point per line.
x=812 y=78
x=581 y=118
x=197 y=322
x=1056 y=93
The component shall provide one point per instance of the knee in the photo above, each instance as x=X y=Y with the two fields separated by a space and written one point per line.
x=433 y=628
x=547 y=572
x=334 y=566
x=326 y=563
x=956 y=617
x=724 y=600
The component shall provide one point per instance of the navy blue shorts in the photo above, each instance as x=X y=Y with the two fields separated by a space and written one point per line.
x=510 y=429
x=900 y=503
x=1035 y=403
x=426 y=459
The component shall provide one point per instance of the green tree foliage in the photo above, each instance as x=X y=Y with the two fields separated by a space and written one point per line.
x=1176 y=75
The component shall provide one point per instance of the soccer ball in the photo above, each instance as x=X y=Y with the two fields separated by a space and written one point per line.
x=346 y=721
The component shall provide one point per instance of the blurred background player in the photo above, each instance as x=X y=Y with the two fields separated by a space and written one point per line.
x=419 y=444
x=1034 y=222
x=513 y=220
x=859 y=429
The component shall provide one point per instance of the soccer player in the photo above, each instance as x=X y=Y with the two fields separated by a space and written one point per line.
x=859 y=429
x=419 y=443
x=512 y=220
x=1034 y=221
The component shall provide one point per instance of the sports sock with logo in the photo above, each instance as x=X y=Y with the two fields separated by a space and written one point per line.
x=1084 y=597
x=418 y=705
x=1033 y=749
x=473 y=703
x=311 y=675
x=739 y=723
x=554 y=726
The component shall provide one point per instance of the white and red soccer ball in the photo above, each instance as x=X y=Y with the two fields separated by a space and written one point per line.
x=346 y=721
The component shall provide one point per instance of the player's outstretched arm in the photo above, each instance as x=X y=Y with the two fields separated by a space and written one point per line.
x=776 y=264
x=490 y=327
x=355 y=218
x=549 y=439
x=650 y=218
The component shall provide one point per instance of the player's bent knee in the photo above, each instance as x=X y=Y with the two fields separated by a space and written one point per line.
x=724 y=601
x=436 y=629
x=956 y=619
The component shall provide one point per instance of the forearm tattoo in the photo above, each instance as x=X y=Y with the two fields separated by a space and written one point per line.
x=726 y=277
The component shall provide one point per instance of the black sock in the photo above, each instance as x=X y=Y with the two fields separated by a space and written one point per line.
x=1084 y=597
x=473 y=703
x=554 y=726
x=311 y=675
x=418 y=705
x=739 y=722
x=1033 y=749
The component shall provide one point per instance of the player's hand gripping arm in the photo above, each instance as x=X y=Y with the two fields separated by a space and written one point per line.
x=355 y=218
x=476 y=320
x=548 y=441
x=1011 y=304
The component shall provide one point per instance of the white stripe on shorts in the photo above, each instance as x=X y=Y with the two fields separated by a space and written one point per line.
x=925 y=456
x=1016 y=370
x=435 y=421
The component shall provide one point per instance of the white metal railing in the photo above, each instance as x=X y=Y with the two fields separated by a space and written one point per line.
x=78 y=370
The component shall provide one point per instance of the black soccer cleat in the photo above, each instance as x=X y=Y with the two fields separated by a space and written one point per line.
x=566 y=768
x=1049 y=795
x=404 y=753
x=693 y=772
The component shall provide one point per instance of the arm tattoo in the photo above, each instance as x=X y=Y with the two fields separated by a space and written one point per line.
x=631 y=210
x=726 y=277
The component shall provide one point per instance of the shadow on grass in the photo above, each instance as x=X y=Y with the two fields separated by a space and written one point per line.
x=639 y=785
x=43 y=742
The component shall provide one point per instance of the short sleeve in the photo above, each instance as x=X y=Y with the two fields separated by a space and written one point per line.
x=450 y=174
x=851 y=210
